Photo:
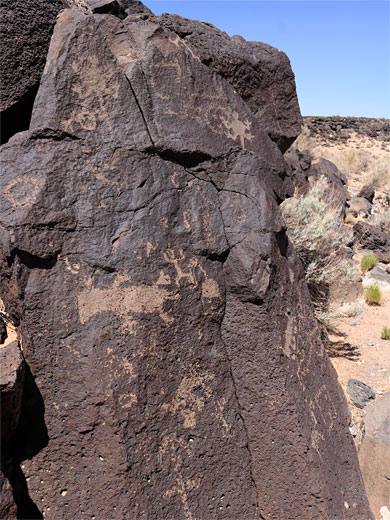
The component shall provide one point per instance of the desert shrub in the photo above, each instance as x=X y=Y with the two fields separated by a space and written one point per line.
x=378 y=172
x=383 y=220
x=320 y=237
x=372 y=294
x=348 y=310
x=385 y=334
x=368 y=262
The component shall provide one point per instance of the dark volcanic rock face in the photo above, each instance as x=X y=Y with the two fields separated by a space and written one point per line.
x=260 y=73
x=164 y=315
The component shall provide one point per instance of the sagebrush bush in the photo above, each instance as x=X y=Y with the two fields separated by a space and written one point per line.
x=320 y=237
x=385 y=334
x=378 y=172
x=368 y=262
x=383 y=220
x=372 y=294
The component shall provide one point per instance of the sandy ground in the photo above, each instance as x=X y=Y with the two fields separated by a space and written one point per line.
x=361 y=353
x=363 y=144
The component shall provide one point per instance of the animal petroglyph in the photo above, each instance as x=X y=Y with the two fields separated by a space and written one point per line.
x=93 y=86
x=190 y=398
x=209 y=286
x=174 y=450
x=125 y=300
x=237 y=129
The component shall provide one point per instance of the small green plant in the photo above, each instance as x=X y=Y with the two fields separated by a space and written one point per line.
x=372 y=294
x=385 y=334
x=368 y=262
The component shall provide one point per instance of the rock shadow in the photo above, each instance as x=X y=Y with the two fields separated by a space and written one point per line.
x=344 y=349
x=29 y=437
x=17 y=117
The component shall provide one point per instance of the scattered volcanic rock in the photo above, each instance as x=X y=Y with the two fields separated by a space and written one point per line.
x=368 y=193
x=359 y=392
x=337 y=194
x=339 y=128
x=260 y=73
x=379 y=275
x=304 y=171
x=374 y=455
x=358 y=207
x=176 y=365
x=328 y=169
x=372 y=238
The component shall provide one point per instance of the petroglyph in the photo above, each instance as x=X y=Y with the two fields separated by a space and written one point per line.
x=24 y=191
x=93 y=87
x=190 y=397
x=125 y=300
x=290 y=337
x=73 y=268
x=237 y=129
x=171 y=448
x=209 y=286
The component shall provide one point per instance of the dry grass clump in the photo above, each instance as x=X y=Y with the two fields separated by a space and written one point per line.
x=368 y=262
x=320 y=238
x=373 y=295
x=385 y=334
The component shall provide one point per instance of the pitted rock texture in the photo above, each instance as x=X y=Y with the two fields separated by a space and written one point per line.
x=164 y=315
x=8 y=507
x=25 y=30
x=374 y=455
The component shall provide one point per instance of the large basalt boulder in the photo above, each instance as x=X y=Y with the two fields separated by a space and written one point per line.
x=163 y=312
x=260 y=73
